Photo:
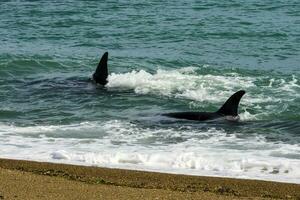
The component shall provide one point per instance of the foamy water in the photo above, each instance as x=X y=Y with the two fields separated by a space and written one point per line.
x=263 y=93
x=127 y=145
x=259 y=147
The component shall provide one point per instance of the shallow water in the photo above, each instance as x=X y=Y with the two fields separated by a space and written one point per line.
x=163 y=57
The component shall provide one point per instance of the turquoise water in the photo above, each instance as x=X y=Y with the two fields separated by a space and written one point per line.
x=163 y=57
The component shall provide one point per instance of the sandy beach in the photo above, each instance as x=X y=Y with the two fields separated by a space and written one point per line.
x=39 y=180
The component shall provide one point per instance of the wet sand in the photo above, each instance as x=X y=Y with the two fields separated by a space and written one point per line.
x=37 y=180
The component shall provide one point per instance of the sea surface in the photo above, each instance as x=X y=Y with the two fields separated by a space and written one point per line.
x=164 y=56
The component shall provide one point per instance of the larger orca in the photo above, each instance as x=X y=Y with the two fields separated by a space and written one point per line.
x=101 y=73
x=228 y=111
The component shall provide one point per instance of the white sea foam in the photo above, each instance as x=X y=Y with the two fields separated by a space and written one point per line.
x=187 y=84
x=291 y=86
x=126 y=145
x=180 y=83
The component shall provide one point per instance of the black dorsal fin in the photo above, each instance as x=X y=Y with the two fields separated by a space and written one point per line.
x=101 y=73
x=230 y=107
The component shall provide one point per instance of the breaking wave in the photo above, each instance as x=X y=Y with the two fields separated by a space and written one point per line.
x=127 y=145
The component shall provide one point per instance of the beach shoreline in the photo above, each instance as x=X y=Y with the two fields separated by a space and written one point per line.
x=43 y=180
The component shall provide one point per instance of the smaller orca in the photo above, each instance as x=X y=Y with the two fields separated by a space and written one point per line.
x=229 y=111
x=101 y=73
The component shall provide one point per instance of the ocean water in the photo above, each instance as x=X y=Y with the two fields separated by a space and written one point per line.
x=163 y=57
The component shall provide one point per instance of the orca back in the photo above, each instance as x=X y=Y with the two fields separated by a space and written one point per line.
x=101 y=73
x=230 y=107
x=198 y=116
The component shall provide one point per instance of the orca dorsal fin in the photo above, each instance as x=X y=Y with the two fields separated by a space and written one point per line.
x=230 y=107
x=101 y=73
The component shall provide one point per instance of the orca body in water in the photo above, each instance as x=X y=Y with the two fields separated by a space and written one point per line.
x=101 y=73
x=228 y=111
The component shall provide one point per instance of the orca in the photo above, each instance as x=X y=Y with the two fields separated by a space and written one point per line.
x=229 y=111
x=101 y=73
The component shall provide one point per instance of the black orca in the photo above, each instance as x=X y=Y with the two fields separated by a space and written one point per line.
x=229 y=111
x=101 y=73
